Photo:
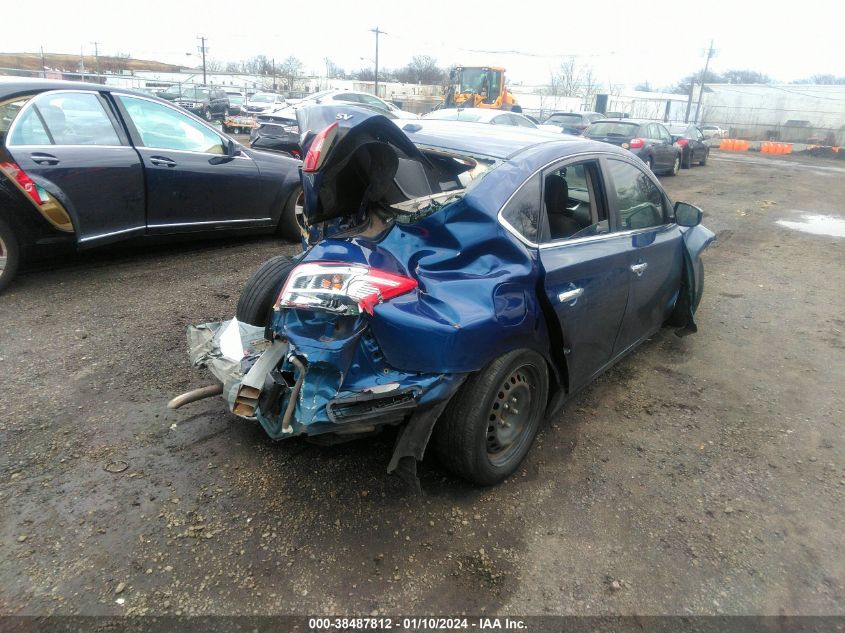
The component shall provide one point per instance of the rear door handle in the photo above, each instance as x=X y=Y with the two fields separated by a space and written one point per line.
x=162 y=161
x=570 y=295
x=44 y=159
x=639 y=268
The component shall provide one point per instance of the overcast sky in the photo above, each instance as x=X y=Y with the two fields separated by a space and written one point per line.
x=624 y=42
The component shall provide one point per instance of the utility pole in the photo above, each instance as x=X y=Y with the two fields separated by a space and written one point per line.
x=273 y=62
x=43 y=64
x=710 y=53
x=202 y=50
x=377 y=32
x=82 y=63
x=97 y=57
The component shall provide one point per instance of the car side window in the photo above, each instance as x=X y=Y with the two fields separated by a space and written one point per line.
x=523 y=122
x=502 y=119
x=571 y=202
x=162 y=127
x=522 y=212
x=638 y=201
x=663 y=133
x=65 y=118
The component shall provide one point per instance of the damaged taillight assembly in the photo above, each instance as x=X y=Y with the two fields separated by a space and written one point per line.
x=341 y=288
x=319 y=148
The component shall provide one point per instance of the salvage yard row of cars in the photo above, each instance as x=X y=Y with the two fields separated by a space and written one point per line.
x=457 y=280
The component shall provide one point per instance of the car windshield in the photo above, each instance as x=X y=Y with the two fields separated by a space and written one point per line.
x=564 y=119
x=612 y=128
x=453 y=115
x=263 y=98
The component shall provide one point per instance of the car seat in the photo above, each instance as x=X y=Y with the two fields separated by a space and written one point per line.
x=557 y=197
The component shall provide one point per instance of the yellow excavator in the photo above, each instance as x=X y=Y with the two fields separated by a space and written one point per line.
x=479 y=87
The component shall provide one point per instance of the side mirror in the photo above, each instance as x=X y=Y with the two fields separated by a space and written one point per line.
x=231 y=149
x=687 y=214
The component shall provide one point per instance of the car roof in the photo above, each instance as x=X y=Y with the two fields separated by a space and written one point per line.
x=478 y=139
x=11 y=86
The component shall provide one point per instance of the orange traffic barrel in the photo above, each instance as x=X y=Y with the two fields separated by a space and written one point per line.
x=787 y=148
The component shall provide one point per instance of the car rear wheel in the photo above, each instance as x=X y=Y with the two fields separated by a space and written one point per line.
x=687 y=161
x=9 y=254
x=292 y=221
x=703 y=161
x=207 y=115
x=676 y=166
x=492 y=420
x=649 y=163
x=262 y=289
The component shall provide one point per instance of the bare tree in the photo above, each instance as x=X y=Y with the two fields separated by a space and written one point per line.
x=568 y=78
x=213 y=65
x=289 y=69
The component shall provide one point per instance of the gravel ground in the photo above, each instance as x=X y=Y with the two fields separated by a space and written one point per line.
x=701 y=475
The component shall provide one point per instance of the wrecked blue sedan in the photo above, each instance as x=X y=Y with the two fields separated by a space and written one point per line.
x=457 y=281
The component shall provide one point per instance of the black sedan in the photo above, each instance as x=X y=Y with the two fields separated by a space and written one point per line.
x=648 y=140
x=690 y=139
x=88 y=165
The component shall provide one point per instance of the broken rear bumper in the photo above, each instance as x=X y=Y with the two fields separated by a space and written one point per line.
x=294 y=389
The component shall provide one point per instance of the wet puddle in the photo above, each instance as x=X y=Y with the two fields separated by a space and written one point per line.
x=817 y=224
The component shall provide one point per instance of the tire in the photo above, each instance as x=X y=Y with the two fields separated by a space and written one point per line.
x=678 y=318
x=10 y=254
x=260 y=292
x=649 y=163
x=473 y=438
x=207 y=115
x=703 y=161
x=686 y=163
x=291 y=222
x=676 y=167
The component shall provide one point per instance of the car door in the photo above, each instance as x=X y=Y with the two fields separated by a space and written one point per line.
x=652 y=245
x=584 y=273
x=659 y=148
x=191 y=183
x=70 y=143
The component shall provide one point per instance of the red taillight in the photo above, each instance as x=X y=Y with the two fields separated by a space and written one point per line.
x=682 y=142
x=341 y=288
x=314 y=157
x=20 y=176
x=636 y=143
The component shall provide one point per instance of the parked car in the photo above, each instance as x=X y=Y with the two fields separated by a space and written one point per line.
x=491 y=117
x=461 y=282
x=86 y=164
x=690 y=139
x=209 y=103
x=262 y=102
x=237 y=101
x=713 y=131
x=279 y=130
x=649 y=141
x=573 y=122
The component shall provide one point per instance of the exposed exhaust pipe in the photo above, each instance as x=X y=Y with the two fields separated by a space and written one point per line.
x=196 y=394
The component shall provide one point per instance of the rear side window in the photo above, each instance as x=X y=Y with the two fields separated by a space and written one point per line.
x=65 y=118
x=522 y=212
x=639 y=203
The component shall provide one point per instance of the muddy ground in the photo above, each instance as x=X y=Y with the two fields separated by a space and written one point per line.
x=703 y=474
